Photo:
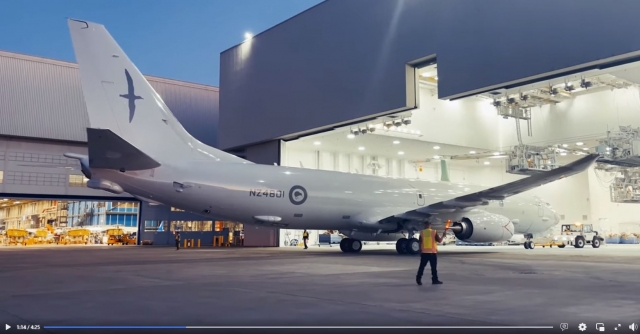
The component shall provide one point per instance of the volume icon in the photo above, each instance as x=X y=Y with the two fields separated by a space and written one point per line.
x=6 y=327
x=633 y=327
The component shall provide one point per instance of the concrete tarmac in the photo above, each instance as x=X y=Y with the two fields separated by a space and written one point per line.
x=159 y=286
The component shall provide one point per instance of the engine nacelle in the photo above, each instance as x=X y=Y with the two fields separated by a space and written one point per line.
x=482 y=226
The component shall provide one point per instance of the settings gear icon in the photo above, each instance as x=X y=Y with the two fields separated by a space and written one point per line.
x=582 y=327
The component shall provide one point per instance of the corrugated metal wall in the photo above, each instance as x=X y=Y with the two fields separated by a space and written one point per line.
x=42 y=98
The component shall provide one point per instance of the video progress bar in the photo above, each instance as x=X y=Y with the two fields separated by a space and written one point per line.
x=298 y=327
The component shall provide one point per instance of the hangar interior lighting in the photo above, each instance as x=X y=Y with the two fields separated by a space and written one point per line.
x=554 y=91
x=391 y=123
x=248 y=35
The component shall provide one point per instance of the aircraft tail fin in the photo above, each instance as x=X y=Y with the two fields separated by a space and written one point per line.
x=119 y=98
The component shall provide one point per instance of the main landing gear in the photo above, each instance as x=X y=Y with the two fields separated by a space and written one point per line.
x=349 y=245
x=408 y=246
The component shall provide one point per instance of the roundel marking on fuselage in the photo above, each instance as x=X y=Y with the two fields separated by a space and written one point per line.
x=297 y=195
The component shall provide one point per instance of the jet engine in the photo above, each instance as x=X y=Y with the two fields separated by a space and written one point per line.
x=482 y=226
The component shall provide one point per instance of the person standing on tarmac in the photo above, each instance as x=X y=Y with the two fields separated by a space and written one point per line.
x=177 y=240
x=305 y=238
x=428 y=253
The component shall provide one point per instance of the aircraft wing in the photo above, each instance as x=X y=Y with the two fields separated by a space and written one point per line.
x=506 y=190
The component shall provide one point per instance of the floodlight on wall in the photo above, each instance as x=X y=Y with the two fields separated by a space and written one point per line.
x=568 y=87
x=363 y=131
x=397 y=123
x=406 y=121
x=372 y=129
x=553 y=91
x=585 y=84
x=388 y=125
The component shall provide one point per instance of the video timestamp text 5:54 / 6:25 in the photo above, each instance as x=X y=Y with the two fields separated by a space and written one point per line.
x=28 y=327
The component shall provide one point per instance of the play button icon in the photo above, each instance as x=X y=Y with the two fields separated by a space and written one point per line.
x=6 y=327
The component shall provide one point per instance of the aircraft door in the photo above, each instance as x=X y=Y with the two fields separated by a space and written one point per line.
x=421 y=199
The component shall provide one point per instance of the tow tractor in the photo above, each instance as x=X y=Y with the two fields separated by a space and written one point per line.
x=578 y=235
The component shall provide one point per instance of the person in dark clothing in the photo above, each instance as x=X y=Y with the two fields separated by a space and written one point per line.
x=429 y=240
x=177 y=240
x=305 y=238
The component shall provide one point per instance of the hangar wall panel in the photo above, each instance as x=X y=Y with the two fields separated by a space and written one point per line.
x=329 y=65
x=42 y=98
x=39 y=167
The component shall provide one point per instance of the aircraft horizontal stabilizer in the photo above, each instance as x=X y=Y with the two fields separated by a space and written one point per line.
x=107 y=150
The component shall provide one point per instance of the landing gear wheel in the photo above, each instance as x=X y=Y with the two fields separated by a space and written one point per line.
x=562 y=246
x=532 y=245
x=526 y=245
x=579 y=243
x=595 y=243
x=401 y=245
x=354 y=246
x=343 y=245
x=413 y=246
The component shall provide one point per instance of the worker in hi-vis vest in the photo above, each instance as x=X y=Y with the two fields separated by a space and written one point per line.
x=429 y=240
x=305 y=238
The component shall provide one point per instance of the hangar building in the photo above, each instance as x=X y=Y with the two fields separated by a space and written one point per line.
x=490 y=90
x=43 y=116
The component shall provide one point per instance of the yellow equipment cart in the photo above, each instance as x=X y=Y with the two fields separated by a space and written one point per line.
x=129 y=239
x=17 y=237
x=78 y=236
x=116 y=236
x=40 y=237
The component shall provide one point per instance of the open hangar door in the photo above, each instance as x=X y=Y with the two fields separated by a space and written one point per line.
x=498 y=137
x=27 y=221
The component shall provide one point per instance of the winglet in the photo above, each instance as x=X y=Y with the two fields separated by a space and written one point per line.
x=109 y=151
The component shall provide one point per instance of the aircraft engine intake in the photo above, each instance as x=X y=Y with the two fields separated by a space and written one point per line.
x=482 y=226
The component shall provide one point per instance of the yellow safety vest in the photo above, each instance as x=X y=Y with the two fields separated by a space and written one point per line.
x=305 y=235
x=429 y=244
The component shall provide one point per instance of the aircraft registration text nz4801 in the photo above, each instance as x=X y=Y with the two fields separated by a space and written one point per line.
x=266 y=193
